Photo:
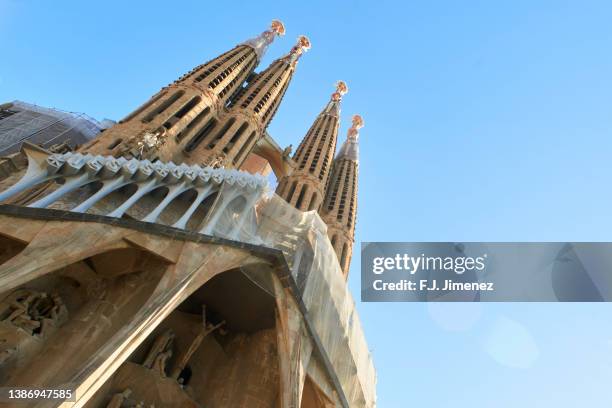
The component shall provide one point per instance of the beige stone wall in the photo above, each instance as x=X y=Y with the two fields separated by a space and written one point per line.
x=113 y=294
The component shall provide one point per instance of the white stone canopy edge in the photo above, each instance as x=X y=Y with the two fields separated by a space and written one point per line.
x=79 y=170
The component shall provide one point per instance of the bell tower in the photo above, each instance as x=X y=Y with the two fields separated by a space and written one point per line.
x=339 y=209
x=304 y=188
x=160 y=128
x=226 y=141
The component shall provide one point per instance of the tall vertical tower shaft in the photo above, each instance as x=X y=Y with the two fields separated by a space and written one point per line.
x=228 y=140
x=304 y=188
x=339 y=209
x=161 y=127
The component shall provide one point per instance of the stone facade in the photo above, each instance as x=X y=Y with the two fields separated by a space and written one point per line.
x=141 y=282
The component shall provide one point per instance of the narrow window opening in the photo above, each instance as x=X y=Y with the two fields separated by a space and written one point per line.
x=235 y=138
x=243 y=149
x=343 y=257
x=193 y=124
x=143 y=107
x=204 y=131
x=114 y=144
x=165 y=105
x=221 y=133
x=313 y=201
x=291 y=191
x=182 y=112
x=298 y=203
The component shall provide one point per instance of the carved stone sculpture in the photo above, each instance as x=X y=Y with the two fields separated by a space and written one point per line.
x=118 y=399
x=33 y=311
x=160 y=353
x=287 y=151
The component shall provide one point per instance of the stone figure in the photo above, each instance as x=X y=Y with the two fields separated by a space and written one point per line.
x=217 y=161
x=118 y=399
x=287 y=151
x=160 y=353
x=32 y=311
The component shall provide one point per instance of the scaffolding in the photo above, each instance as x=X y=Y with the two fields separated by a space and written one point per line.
x=21 y=121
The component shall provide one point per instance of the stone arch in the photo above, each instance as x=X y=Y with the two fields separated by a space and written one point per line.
x=84 y=303
x=238 y=349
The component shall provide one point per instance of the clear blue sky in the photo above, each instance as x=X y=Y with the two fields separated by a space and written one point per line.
x=485 y=121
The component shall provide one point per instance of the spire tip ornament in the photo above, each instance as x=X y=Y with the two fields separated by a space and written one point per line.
x=262 y=41
x=357 y=123
x=277 y=27
x=350 y=148
x=341 y=89
x=303 y=44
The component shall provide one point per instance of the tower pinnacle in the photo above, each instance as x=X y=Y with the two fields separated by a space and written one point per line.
x=302 y=45
x=357 y=123
x=341 y=89
x=304 y=188
x=339 y=210
x=350 y=148
x=176 y=115
x=230 y=138
x=333 y=107
x=261 y=42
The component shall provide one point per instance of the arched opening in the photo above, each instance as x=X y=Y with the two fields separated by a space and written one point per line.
x=113 y=200
x=177 y=207
x=221 y=133
x=163 y=106
x=142 y=108
x=197 y=219
x=298 y=203
x=313 y=201
x=235 y=138
x=343 y=255
x=180 y=113
x=217 y=348
x=147 y=203
x=291 y=191
x=77 y=196
x=201 y=135
x=193 y=124
x=244 y=149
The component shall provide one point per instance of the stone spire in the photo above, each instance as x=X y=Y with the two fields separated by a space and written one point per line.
x=350 y=148
x=304 y=188
x=302 y=45
x=262 y=41
x=339 y=209
x=333 y=107
x=164 y=125
x=230 y=139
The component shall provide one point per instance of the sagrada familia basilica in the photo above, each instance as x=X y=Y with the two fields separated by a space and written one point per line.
x=153 y=266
